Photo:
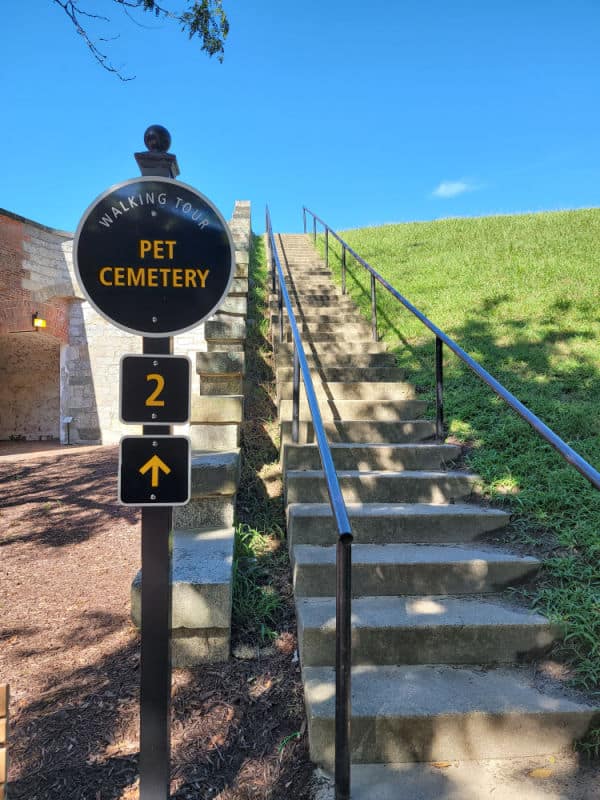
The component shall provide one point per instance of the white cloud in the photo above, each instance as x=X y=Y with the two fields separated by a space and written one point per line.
x=448 y=189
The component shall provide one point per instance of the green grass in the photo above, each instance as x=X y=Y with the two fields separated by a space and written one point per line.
x=256 y=602
x=521 y=294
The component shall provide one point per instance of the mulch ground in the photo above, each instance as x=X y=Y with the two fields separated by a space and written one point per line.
x=68 y=650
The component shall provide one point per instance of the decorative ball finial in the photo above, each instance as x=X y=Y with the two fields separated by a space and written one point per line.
x=157 y=139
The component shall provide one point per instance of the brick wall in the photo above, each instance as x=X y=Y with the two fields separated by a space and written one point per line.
x=34 y=277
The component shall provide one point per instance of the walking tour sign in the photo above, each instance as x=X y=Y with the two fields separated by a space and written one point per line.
x=154 y=257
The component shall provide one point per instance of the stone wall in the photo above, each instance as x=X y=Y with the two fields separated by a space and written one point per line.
x=29 y=398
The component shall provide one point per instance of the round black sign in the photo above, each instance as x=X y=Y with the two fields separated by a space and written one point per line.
x=154 y=256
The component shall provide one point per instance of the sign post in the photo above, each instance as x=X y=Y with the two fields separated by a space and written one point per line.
x=155 y=258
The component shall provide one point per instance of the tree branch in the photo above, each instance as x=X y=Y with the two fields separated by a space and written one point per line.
x=73 y=12
x=204 y=19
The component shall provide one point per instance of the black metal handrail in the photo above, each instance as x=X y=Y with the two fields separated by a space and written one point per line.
x=566 y=451
x=343 y=603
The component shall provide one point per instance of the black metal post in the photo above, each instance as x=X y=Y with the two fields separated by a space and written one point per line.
x=327 y=248
x=314 y=229
x=157 y=527
x=304 y=218
x=280 y=308
x=296 y=397
x=270 y=255
x=374 y=310
x=343 y=658
x=343 y=269
x=155 y=663
x=439 y=389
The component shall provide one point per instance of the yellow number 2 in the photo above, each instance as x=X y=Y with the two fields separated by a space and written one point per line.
x=160 y=385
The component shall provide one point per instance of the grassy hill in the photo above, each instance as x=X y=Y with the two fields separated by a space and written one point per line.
x=521 y=294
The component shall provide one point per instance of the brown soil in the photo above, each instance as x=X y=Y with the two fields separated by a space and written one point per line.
x=68 y=554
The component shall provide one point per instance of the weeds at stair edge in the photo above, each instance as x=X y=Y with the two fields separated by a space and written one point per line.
x=262 y=595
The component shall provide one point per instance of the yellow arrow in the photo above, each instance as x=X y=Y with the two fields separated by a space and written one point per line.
x=155 y=464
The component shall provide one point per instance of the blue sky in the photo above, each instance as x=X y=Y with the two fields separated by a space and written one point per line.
x=366 y=112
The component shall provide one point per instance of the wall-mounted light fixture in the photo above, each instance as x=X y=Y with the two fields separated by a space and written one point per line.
x=37 y=321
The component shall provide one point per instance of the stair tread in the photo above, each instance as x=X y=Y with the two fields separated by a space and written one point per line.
x=427 y=446
x=398 y=509
x=404 y=553
x=407 y=474
x=500 y=779
x=430 y=690
x=419 y=611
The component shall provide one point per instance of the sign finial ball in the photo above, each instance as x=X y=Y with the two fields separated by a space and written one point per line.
x=157 y=139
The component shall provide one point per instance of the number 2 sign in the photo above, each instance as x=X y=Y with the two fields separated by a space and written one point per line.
x=155 y=390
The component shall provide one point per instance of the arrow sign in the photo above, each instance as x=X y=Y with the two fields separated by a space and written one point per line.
x=156 y=465
x=155 y=470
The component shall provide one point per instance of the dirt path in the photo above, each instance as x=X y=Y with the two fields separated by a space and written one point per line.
x=68 y=553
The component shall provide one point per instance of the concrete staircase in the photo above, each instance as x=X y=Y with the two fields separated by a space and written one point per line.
x=441 y=658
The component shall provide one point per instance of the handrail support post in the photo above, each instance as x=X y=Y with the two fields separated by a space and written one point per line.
x=439 y=389
x=296 y=397
x=343 y=269
x=343 y=658
x=326 y=248
x=280 y=309
x=374 y=309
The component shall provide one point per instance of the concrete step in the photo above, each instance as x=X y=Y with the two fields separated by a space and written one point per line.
x=217 y=409
x=351 y=374
x=215 y=472
x=357 y=390
x=372 y=431
x=372 y=456
x=285 y=350
x=327 y=305
x=411 y=569
x=383 y=410
x=221 y=363
x=424 y=630
x=492 y=779
x=318 y=339
x=225 y=330
x=201 y=604
x=326 y=359
x=410 y=486
x=315 y=317
x=312 y=285
x=214 y=436
x=335 y=330
x=389 y=523
x=436 y=713
x=234 y=305
x=300 y=295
